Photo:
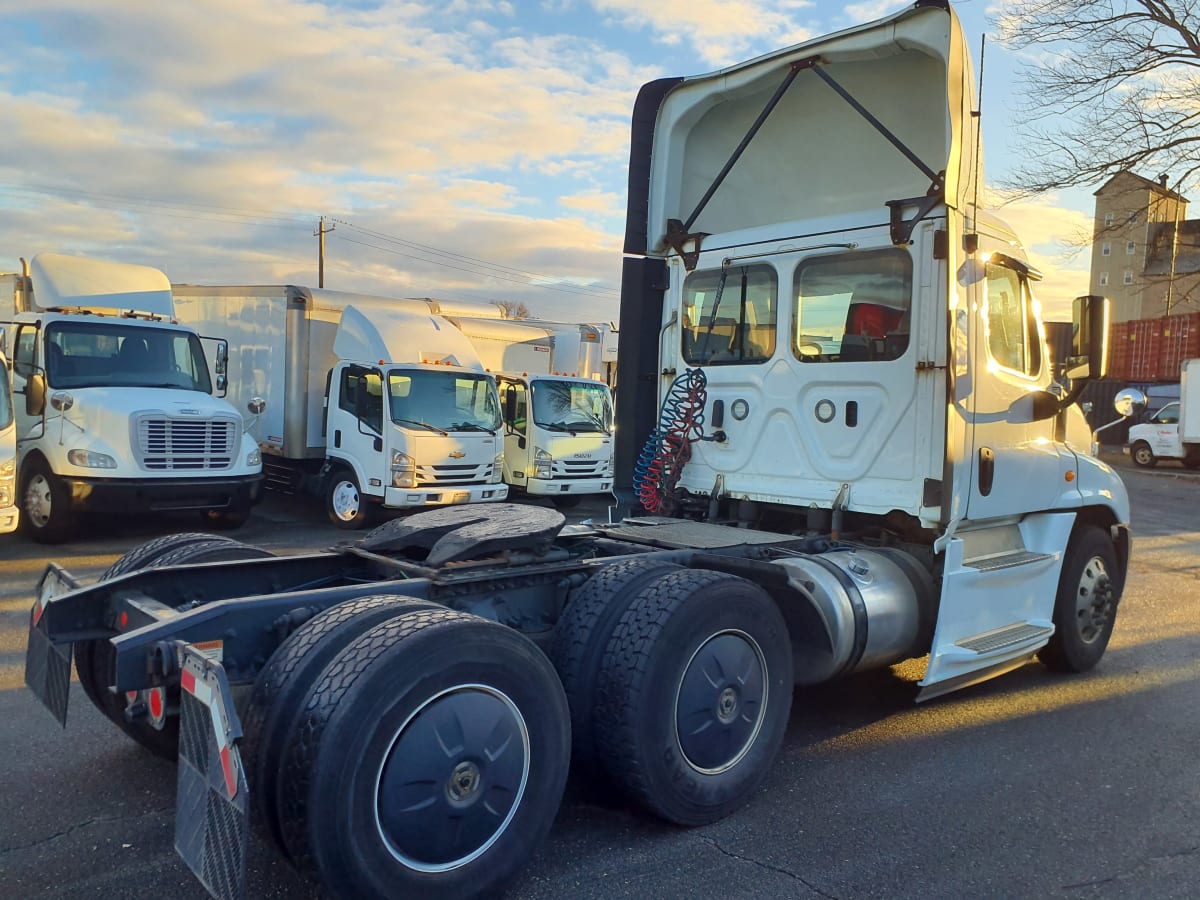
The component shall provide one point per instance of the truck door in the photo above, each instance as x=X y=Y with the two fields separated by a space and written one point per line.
x=1015 y=461
x=517 y=449
x=356 y=425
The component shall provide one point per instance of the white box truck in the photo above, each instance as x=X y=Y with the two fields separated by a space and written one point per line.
x=857 y=456
x=115 y=409
x=9 y=511
x=306 y=352
x=558 y=426
x=1173 y=432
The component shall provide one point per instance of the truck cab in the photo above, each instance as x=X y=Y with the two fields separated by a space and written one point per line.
x=558 y=435
x=117 y=411
x=419 y=426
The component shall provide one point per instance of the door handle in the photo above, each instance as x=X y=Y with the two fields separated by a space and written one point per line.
x=987 y=470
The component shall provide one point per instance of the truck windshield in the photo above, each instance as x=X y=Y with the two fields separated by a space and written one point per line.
x=444 y=401
x=572 y=406
x=112 y=354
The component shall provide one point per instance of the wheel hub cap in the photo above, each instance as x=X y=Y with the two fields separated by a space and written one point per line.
x=345 y=501
x=37 y=500
x=721 y=702
x=1095 y=600
x=453 y=778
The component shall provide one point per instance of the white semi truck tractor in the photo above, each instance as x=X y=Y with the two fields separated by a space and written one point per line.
x=116 y=410
x=840 y=445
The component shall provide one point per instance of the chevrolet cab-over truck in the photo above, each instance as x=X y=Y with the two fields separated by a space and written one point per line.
x=846 y=447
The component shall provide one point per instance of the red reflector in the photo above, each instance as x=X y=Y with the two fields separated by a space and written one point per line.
x=156 y=703
x=227 y=768
x=124 y=620
x=38 y=609
x=188 y=681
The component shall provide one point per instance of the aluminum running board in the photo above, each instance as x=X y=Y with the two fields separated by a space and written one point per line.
x=997 y=600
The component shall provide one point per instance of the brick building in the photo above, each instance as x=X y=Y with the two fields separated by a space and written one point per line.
x=1145 y=251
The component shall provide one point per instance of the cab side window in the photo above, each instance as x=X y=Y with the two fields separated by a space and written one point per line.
x=1012 y=332
x=1168 y=415
x=25 y=353
x=520 y=413
x=361 y=395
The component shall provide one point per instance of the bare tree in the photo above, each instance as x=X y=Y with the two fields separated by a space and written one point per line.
x=515 y=309
x=1111 y=86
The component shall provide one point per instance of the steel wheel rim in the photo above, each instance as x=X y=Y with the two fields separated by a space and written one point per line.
x=721 y=702
x=1093 y=600
x=452 y=778
x=345 y=500
x=1142 y=456
x=38 y=500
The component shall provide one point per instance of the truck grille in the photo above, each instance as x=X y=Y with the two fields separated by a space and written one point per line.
x=454 y=474
x=163 y=443
x=576 y=468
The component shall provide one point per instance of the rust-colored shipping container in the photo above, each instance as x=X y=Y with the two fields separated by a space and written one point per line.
x=1153 y=350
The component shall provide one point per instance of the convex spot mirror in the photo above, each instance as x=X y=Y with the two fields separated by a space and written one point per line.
x=1128 y=402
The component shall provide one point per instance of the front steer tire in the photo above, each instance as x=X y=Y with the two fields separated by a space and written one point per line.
x=694 y=695
x=429 y=761
x=1085 y=608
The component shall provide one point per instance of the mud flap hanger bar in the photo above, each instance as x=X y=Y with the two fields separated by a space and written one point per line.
x=679 y=233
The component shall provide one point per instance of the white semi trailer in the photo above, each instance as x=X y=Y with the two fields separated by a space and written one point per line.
x=116 y=410
x=426 y=438
x=836 y=401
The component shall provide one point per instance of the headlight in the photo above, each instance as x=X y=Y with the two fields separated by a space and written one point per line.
x=8 y=471
x=88 y=460
x=404 y=470
x=254 y=458
x=542 y=461
x=497 y=469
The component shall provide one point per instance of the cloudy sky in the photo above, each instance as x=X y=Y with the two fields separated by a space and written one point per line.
x=466 y=149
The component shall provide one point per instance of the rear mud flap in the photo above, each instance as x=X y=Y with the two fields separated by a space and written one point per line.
x=48 y=665
x=48 y=670
x=211 y=807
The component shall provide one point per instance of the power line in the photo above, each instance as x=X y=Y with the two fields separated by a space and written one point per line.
x=564 y=289
x=404 y=242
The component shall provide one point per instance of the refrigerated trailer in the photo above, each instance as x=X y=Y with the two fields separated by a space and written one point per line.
x=841 y=447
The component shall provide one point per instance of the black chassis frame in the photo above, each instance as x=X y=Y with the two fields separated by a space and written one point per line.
x=251 y=606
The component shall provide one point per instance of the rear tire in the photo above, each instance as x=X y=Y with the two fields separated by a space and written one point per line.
x=581 y=638
x=429 y=760
x=287 y=678
x=344 y=500
x=94 y=659
x=1142 y=455
x=1085 y=609
x=694 y=695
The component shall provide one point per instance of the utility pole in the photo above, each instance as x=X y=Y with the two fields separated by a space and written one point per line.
x=320 y=236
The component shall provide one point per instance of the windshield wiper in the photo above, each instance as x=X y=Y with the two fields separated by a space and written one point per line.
x=471 y=426
x=421 y=424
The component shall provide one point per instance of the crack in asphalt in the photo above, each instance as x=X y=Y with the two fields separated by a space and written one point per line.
x=98 y=820
x=770 y=868
x=1150 y=860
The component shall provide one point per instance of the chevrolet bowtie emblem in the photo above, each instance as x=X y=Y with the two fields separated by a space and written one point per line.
x=457 y=454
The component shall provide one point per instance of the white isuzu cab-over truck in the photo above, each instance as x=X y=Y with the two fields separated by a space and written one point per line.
x=116 y=410
x=837 y=410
